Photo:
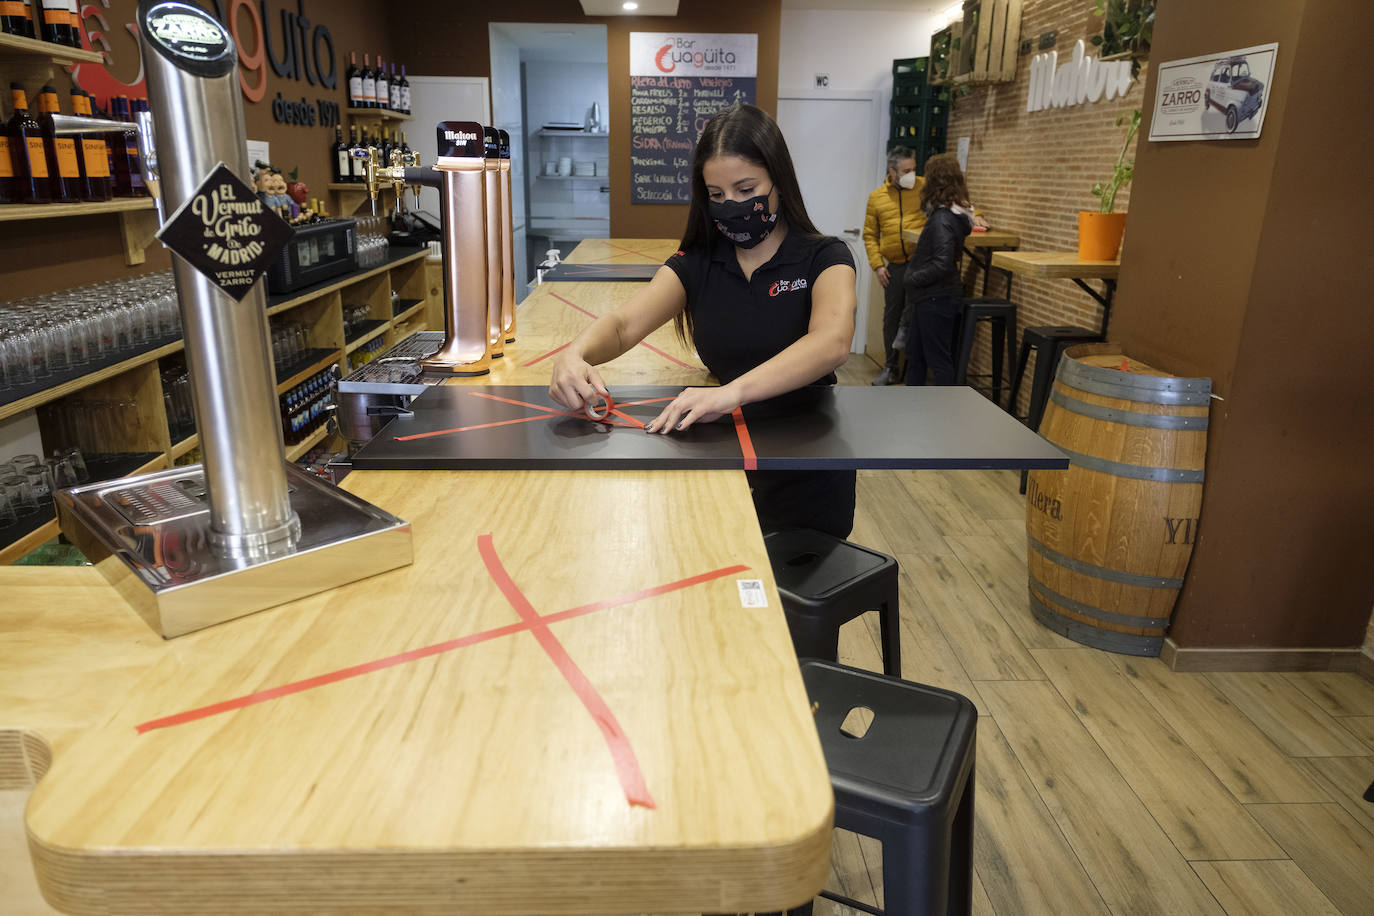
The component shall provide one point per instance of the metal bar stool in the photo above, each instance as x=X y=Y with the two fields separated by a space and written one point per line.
x=907 y=781
x=1002 y=315
x=1049 y=342
x=825 y=582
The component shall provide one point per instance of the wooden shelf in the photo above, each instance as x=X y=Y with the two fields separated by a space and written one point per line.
x=39 y=398
x=361 y=339
x=182 y=447
x=380 y=114
x=294 y=452
x=311 y=293
x=16 y=46
x=594 y=135
x=50 y=211
x=297 y=377
x=402 y=317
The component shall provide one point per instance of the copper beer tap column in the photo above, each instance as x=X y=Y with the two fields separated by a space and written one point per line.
x=507 y=245
x=496 y=338
x=459 y=174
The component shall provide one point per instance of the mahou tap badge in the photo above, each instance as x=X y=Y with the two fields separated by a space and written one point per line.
x=224 y=231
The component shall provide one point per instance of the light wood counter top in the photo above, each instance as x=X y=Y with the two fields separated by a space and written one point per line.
x=622 y=251
x=472 y=779
x=1050 y=265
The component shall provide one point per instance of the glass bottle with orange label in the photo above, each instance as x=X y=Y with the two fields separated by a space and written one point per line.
x=64 y=169
x=94 y=155
x=28 y=157
x=12 y=17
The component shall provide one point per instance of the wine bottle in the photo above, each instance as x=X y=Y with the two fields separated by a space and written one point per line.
x=12 y=17
x=340 y=153
x=64 y=169
x=405 y=147
x=405 y=91
x=383 y=85
x=28 y=28
x=356 y=171
x=56 y=27
x=74 y=20
x=29 y=160
x=395 y=89
x=369 y=83
x=353 y=79
x=92 y=155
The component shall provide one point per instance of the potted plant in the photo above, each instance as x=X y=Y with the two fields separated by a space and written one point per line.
x=1099 y=233
x=1127 y=26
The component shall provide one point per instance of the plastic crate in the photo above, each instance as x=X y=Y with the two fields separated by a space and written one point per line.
x=911 y=68
x=935 y=94
x=907 y=109
x=907 y=93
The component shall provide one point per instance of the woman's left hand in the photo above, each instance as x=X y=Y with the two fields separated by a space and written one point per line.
x=694 y=405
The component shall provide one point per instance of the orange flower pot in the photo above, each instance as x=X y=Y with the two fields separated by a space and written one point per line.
x=1099 y=235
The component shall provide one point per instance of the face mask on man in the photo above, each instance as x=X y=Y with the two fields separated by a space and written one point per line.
x=907 y=181
x=744 y=222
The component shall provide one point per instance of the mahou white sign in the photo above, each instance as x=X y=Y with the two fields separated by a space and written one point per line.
x=1083 y=78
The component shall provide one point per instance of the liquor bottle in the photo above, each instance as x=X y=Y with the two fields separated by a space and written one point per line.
x=124 y=151
x=356 y=171
x=369 y=83
x=395 y=84
x=384 y=146
x=9 y=190
x=383 y=85
x=64 y=169
x=12 y=18
x=29 y=159
x=74 y=20
x=405 y=147
x=56 y=26
x=405 y=91
x=95 y=155
x=342 y=170
x=354 y=80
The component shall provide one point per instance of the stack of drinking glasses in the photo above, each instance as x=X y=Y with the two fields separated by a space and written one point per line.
x=47 y=339
x=27 y=482
x=373 y=243
x=353 y=317
x=288 y=343
x=176 y=399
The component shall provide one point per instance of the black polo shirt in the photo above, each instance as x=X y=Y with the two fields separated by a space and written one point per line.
x=739 y=324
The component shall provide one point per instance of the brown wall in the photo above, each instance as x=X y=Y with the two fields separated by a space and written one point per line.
x=450 y=39
x=31 y=253
x=1244 y=262
x=1031 y=172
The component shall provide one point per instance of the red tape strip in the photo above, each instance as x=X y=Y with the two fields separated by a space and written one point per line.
x=544 y=356
x=622 y=753
x=746 y=444
x=642 y=343
x=321 y=680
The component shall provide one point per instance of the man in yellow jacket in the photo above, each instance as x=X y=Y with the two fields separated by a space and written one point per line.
x=892 y=207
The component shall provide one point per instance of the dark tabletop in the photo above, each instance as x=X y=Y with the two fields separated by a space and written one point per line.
x=848 y=427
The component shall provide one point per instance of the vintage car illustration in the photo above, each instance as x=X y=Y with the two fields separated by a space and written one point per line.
x=1233 y=91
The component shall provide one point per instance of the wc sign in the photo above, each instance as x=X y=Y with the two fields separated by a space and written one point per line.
x=1081 y=79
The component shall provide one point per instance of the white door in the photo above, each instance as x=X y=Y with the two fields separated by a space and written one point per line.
x=832 y=138
x=442 y=98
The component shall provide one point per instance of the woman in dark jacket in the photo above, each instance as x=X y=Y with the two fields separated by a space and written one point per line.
x=934 y=286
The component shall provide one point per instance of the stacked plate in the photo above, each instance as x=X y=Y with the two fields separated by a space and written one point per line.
x=584 y=167
x=603 y=167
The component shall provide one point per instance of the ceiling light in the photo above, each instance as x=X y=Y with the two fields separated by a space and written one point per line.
x=629 y=5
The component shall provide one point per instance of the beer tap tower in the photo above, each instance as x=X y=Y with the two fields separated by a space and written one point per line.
x=194 y=546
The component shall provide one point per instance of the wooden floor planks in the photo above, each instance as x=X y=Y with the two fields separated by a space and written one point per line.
x=1272 y=888
x=1330 y=847
x=1297 y=725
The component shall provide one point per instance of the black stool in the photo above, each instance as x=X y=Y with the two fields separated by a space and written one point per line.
x=1002 y=314
x=908 y=782
x=1049 y=343
x=825 y=582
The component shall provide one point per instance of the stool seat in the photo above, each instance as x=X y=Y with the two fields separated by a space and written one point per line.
x=1049 y=342
x=1002 y=314
x=907 y=782
x=825 y=582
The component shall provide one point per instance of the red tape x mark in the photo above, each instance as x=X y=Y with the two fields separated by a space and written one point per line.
x=645 y=344
x=631 y=780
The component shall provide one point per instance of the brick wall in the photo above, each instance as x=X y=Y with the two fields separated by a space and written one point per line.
x=1032 y=172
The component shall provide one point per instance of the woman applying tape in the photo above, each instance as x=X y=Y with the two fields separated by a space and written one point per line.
x=767 y=300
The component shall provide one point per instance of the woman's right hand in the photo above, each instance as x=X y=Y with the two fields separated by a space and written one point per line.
x=575 y=382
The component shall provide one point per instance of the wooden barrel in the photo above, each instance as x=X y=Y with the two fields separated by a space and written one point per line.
x=1108 y=540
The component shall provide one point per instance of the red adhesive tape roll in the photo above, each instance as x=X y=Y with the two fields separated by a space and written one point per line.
x=600 y=408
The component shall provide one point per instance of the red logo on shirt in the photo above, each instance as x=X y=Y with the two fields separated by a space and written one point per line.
x=786 y=286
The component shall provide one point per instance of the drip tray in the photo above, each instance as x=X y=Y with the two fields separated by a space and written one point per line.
x=149 y=536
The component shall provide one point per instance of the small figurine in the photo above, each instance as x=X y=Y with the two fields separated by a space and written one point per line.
x=271 y=187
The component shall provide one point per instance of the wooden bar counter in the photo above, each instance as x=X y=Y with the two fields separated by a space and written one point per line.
x=489 y=764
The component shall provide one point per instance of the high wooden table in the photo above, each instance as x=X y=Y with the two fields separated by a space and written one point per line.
x=504 y=766
x=1065 y=265
x=979 y=246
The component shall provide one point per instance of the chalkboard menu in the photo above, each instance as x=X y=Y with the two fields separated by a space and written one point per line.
x=677 y=82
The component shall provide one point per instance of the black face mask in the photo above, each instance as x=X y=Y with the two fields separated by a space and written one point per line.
x=746 y=223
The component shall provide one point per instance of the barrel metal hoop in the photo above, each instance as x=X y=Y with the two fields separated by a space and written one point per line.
x=1121 y=643
x=1132 y=471
x=1126 y=417
x=1112 y=383
x=1101 y=572
x=1096 y=613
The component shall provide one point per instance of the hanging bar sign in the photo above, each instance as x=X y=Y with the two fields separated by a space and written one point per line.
x=224 y=231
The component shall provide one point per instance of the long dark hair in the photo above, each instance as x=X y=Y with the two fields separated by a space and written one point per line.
x=750 y=133
x=944 y=184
